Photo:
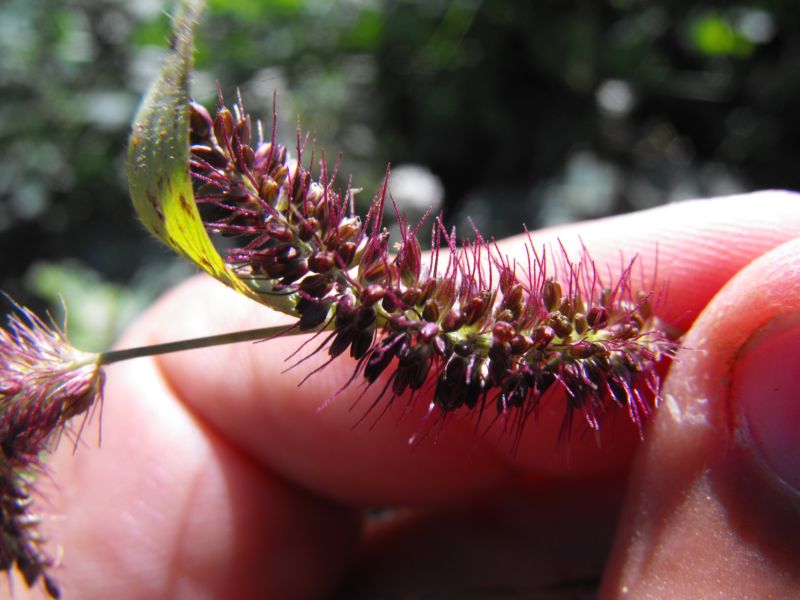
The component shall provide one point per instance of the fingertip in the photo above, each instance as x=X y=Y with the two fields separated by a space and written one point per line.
x=765 y=399
x=708 y=511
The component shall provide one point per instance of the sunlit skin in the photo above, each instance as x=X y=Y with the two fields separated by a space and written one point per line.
x=219 y=477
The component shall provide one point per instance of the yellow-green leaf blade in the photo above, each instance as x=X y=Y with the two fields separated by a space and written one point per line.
x=158 y=157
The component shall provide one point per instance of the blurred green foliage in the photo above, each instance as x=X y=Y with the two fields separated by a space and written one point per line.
x=534 y=112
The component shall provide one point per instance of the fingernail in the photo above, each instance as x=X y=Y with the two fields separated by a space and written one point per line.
x=766 y=393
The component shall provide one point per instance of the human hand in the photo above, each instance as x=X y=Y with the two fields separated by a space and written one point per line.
x=218 y=477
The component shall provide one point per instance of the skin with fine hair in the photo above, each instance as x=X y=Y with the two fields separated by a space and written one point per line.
x=219 y=477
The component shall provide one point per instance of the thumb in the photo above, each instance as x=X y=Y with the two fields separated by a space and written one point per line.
x=713 y=507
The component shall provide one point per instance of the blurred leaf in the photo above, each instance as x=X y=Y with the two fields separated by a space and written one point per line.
x=158 y=158
x=366 y=32
x=152 y=32
x=251 y=9
x=714 y=35
x=94 y=304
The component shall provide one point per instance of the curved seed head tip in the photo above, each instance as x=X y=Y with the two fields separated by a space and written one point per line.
x=44 y=382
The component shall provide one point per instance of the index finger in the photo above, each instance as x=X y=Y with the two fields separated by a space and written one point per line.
x=247 y=393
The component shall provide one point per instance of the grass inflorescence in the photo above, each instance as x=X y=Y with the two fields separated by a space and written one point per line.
x=474 y=326
x=44 y=382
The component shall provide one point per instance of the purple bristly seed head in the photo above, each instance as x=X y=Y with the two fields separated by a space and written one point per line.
x=485 y=328
x=44 y=382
